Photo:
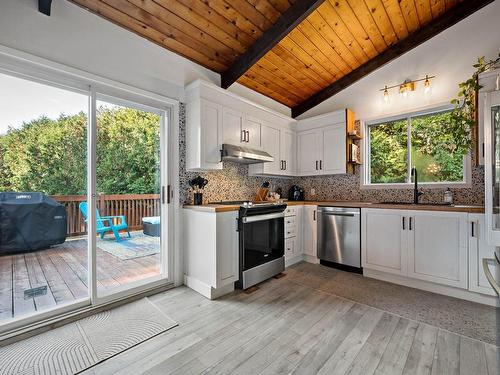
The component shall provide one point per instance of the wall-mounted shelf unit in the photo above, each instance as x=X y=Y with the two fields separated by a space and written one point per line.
x=353 y=137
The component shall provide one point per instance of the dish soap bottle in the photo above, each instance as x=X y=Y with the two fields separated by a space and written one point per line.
x=448 y=196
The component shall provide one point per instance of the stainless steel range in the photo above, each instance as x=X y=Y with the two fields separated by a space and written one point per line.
x=261 y=229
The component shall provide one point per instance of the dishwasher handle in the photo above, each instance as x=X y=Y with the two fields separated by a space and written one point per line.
x=339 y=211
x=350 y=214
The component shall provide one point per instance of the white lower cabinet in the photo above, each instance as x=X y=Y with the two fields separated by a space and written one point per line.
x=384 y=240
x=310 y=231
x=293 y=235
x=211 y=251
x=437 y=247
x=479 y=249
x=425 y=245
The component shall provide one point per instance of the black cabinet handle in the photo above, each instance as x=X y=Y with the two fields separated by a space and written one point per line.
x=321 y=164
x=248 y=136
x=404 y=223
x=316 y=165
x=410 y=223
x=314 y=215
x=284 y=161
x=243 y=136
x=472 y=230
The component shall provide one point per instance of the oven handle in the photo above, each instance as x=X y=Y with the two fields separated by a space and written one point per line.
x=253 y=219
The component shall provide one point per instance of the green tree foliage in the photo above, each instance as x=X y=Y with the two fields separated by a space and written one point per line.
x=388 y=152
x=51 y=155
x=434 y=151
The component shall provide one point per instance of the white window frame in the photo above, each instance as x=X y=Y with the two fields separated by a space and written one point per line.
x=366 y=167
x=30 y=67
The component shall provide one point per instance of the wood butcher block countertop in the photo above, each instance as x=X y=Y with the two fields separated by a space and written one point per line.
x=422 y=207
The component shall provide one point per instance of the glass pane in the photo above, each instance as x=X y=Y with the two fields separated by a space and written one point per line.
x=495 y=124
x=43 y=169
x=128 y=202
x=388 y=152
x=433 y=151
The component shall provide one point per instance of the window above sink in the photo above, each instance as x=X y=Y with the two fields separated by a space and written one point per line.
x=419 y=139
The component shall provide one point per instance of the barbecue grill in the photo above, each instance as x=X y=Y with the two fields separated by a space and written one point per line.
x=30 y=221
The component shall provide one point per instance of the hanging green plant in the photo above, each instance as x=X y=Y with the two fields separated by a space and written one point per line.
x=463 y=116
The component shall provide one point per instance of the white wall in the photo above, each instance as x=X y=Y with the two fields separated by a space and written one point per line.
x=77 y=38
x=449 y=56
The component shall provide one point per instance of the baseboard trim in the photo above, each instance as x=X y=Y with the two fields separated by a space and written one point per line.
x=432 y=287
x=206 y=290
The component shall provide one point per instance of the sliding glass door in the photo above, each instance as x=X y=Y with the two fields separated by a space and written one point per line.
x=43 y=180
x=75 y=162
x=128 y=170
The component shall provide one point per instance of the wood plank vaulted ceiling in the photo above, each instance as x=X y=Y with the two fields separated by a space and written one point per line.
x=337 y=38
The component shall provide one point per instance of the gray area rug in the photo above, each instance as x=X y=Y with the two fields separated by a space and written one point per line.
x=77 y=346
x=137 y=246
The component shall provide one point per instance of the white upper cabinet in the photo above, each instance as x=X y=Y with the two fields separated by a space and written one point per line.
x=252 y=128
x=288 y=147
x=308 y=152
x=280 y=143
x=334 y=150
x=271 y=144
x=203 y=135
x=216 y=116
x=322 y=145
x=233 y=127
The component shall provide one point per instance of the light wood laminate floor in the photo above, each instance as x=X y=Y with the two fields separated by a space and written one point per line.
x=288 y=327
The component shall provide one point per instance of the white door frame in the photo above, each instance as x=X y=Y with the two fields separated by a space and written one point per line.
x=31 y=67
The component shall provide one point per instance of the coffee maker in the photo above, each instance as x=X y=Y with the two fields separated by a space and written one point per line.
x=295 y=193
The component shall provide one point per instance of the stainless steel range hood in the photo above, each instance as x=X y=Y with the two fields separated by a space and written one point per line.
x=244 y=155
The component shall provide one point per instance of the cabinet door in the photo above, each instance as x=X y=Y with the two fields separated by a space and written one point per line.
x=253 y=127
x=288 y=154
x=308 y=146
x=271 y=144
x=437 y=247
x=383 y=240
x=334 y=150
x=211 y=119
x=479 y=249
x=227 y=250
x=232 y=126
x=310 y=231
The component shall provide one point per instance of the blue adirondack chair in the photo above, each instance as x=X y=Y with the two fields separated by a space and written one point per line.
x=105 y=224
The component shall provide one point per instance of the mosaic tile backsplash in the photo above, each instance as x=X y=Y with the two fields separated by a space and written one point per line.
x=233 y=183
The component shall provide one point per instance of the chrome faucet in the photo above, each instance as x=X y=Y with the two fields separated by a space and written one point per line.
x=416 y=193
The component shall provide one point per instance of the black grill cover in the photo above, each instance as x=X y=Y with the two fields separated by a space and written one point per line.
x=30 y=221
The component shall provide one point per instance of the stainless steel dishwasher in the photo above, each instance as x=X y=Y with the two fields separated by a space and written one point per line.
x=339 y=237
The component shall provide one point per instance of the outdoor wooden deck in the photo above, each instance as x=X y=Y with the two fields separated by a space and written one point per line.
x=63 y=269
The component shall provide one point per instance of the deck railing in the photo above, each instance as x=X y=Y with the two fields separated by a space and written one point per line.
x=133 y=206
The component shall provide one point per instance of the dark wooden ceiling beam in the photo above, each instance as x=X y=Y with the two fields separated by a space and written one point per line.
x=288 y=21
x=44 y=6
x=441 y=23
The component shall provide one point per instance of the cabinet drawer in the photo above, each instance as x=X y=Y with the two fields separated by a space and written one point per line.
x=290 y=232
x=289 y=248
x=290 y=211
x=289 y=221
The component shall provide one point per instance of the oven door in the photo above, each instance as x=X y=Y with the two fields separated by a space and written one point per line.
x=263 y=239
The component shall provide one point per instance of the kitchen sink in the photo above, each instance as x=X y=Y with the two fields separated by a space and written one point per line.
x=413 y=204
